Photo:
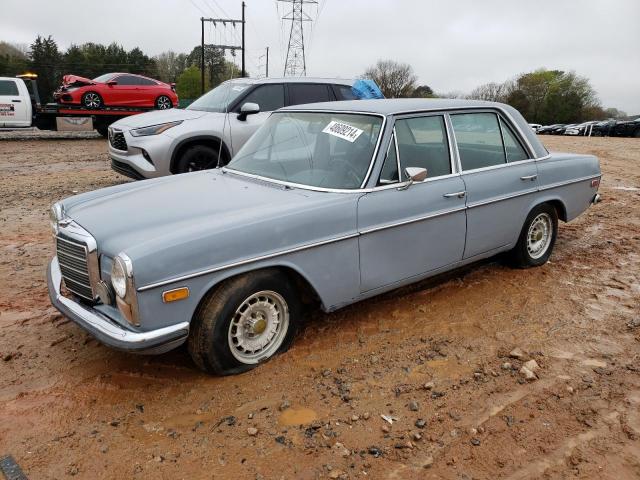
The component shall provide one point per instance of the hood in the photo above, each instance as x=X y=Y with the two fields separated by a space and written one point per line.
x=159 y=116
x=182 y=223
x=76 y=81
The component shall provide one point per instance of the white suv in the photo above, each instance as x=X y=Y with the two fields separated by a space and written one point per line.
x=210 y=130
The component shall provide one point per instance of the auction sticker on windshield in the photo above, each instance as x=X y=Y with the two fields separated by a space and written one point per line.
x=343 y=131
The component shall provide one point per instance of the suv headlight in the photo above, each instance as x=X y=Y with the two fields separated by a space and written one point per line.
x=124 y=286
x=154 y=129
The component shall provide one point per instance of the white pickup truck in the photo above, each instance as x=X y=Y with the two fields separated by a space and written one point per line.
x=16 y=109
x=20 y=108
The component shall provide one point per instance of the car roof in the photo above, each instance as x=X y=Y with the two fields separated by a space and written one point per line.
x=391 y=106
x=334 y=81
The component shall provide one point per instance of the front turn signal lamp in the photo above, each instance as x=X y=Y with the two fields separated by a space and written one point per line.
x=174 y=295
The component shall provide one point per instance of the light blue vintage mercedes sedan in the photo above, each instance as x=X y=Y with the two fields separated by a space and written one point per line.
x=326 y=204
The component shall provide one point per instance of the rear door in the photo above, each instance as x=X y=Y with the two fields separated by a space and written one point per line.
x=269 y=97
x=15 y=104
x=499 y=175
x=300 y=93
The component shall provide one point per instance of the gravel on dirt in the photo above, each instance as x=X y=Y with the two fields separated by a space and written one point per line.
x=72 y=407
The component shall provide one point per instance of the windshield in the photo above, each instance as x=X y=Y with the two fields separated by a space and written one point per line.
x=104 y=78
x=218 y=99
x=327 y=150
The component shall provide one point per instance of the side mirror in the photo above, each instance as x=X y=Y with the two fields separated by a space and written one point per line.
x=111 y=83
x=415 y=174
x=248 y=109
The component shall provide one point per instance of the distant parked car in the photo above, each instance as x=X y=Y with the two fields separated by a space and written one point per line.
x=213 y=128
x=629 y=128
x=562 y=128
x=581 y=129
x=547 y=129
x=603 y=129
x=116 y=90
x=535 y=127
x=326 y=204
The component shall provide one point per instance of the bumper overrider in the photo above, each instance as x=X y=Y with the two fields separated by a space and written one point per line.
x=106 y=330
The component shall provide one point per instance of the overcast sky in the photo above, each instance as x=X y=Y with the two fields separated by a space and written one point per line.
x=453 y=45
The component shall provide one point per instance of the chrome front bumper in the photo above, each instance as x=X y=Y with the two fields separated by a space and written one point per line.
x=106 y=330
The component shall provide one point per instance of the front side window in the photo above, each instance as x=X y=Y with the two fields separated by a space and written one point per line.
x=308 y=93
x=422 y=143
x=327 y=150
x=269 y=97
x=8 y=87
x=127 y=80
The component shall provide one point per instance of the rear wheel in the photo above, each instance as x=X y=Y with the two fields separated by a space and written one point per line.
x=91 y=100
x=163 y=103
x=244 y=322
x=198 y=157
x=537 y=238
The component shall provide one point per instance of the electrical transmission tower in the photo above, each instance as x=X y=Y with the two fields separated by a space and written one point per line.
x=296 y=64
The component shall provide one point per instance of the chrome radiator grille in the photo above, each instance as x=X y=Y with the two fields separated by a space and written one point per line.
x=73 y=261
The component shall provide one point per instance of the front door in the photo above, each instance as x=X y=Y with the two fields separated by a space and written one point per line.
x=14 y=110
x=409 y=232
x=269 y=97
x=499 y=176
x=125 y=93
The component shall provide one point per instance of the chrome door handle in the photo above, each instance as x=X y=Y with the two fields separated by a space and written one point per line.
x=529 y=177
x=455 y=194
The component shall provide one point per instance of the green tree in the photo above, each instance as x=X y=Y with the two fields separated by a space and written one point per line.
x=188 y=83
x=217 y=68
x=45 y=60
x=423 y=91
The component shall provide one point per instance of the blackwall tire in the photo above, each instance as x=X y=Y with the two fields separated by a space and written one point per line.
x=244 y=322
x=196 y=158
x=537 y=238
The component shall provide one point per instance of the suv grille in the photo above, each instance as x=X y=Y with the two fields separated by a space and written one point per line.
x=72 y=258
x=117 y=140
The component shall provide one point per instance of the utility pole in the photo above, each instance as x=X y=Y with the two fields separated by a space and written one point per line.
x=224 y=48
x=244 y=71
x=296 y=63
x=267 y=72
x=202 y=59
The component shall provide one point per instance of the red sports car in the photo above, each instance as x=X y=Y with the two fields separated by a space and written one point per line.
x=116 y=90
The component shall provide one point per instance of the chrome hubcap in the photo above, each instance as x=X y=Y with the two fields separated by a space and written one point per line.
x=164 y=103
x=258 y=327
x=539 y=235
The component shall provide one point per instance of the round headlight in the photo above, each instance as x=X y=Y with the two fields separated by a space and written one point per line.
x=119 y=277
x=55 y=214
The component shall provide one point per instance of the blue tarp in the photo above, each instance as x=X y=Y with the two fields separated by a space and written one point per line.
x=366 y=89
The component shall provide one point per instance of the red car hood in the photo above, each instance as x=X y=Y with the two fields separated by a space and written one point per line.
x=75 y=80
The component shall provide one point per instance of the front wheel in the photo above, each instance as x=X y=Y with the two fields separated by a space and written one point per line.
x=163 y=103
x=198 y=157
x=91 y=100
x=244 y=322
x=537 y=238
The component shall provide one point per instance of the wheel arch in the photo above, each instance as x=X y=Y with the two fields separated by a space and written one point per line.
x=303 y=285
x=553 y=200
x=208 y=140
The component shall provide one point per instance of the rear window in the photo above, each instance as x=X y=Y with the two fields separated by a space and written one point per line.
x=8 y=87
x=344 y=92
